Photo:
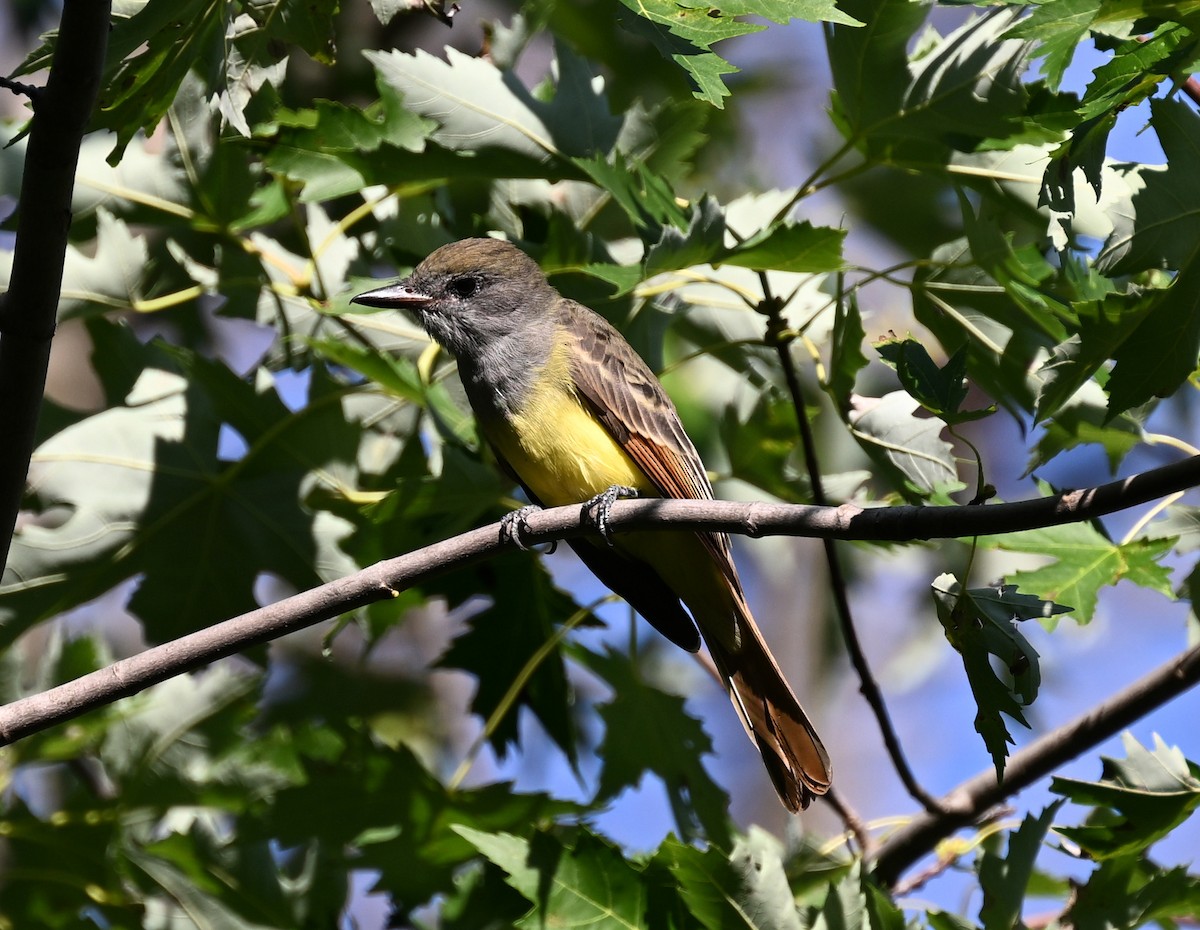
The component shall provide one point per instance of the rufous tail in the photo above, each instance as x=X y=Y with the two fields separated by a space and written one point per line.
x=791 y=750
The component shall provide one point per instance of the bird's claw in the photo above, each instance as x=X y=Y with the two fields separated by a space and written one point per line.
x=602 y=505
x=513 y=524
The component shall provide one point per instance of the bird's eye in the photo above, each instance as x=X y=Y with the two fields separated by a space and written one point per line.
x=466 y=286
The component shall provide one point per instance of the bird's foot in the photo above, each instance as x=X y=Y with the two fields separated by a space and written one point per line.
x=601 y=505
x=513 y=524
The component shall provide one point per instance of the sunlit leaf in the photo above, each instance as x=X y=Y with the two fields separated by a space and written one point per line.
x=1137 y=802
x=686 y=34
x=1085 y=562
x=584 y=884
x=953 y=94
x=746 y=888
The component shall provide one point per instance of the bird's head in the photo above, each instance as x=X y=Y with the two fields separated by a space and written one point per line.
x=470 y=293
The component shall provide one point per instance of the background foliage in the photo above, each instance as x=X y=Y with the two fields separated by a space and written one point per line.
x=234 y=432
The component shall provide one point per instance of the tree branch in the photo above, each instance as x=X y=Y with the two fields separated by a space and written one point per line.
x=974 y=797
x=892 y=524
x=28 y=311
x=385 y=579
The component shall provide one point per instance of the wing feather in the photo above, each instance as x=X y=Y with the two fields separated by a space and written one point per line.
x=628 y=399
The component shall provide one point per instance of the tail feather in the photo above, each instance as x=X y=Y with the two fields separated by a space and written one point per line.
x=774 y=720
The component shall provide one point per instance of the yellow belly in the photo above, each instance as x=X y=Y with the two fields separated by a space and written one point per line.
x=560 y=451
x=564 y=455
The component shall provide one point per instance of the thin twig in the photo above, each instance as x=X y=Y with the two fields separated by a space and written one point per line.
x=854 y=823
x=974 y=797
x=778 y=335
x=949 y=852
x=386 y=579
x=29 y=309
x=28 y=90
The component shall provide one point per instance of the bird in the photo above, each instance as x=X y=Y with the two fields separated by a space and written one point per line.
x=575 y=415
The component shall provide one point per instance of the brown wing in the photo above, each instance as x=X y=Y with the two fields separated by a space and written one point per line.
x=629 y=400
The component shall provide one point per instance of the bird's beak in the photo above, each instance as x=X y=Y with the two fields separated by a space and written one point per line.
x=398 y=296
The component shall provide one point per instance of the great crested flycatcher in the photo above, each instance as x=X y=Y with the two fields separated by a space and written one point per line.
x=571 y=411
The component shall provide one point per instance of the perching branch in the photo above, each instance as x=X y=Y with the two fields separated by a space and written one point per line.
x=385 y=579
x=28 y=311
x=972 y=799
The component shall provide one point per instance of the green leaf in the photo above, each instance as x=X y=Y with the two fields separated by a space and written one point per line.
x=643 y=194
x=907 y=448
x=647 y=730
x=478 y=108
x=1163 y=350
x=944 y=920
x=981 y=623
x=623 y=277
x=1058 y=27
x=700 y=241
x=706 y=70
x=762 y=448
x=686 y=34
x=1085 y=149
x=587 y=884
x=796 y=247
x=333 y=150
x=146 y=64
x=399 y=376
x=846 y=356
x=149 y=815
x=187 y=891
x=1138 y=801
x=870 y=65
x=849 y=905
x=941 y=391
x=1161 y=223
x=128 y=489
x=148 y=60
x=1022 y=271
x=1132 y=892
x=297 y=22
x=1104 y=325
x=956 y=93
x=677 y=240
x=1085 y=562
x=748 y=888
x=377 y=807
x=964 y=306
x=1005 y=880
x=504 y=637
x=1084 y=419
x=63 y=870
x=1137 y=67
x=481 y=898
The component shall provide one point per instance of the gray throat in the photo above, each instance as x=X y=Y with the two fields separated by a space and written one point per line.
x=500 y=377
